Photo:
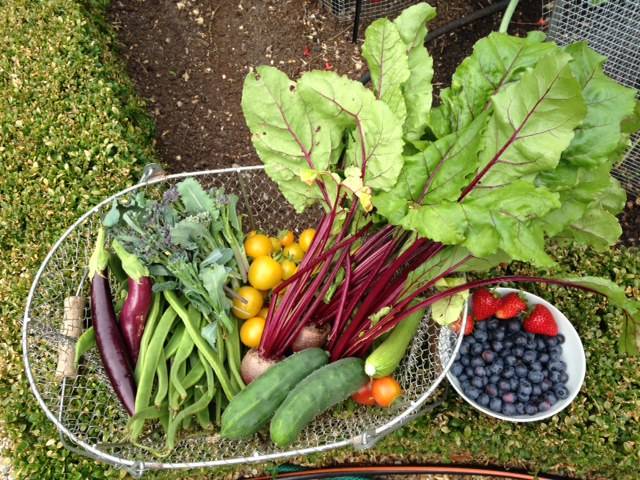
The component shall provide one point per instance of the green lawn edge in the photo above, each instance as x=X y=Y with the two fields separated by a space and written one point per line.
x=72 y=132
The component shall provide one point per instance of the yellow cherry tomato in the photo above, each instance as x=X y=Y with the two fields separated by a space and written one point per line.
x=263 y=313
x=276 y=244
x=251 y=332
x=254 y=302
x=306 y=239
x=293 y=252
x=265 y=273
x=258 y=245
x=288 y=269
x=286 y=238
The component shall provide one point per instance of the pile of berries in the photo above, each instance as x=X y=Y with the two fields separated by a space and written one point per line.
x=511 y=362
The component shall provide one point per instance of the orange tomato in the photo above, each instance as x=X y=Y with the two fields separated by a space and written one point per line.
x=251 y=332
x=254 y=302
x=306 y=239
x=286 y=238
x=385 y=391
x=364 y=396
x=293 y=252
x=258 y=245
x=265 y=273
x=289 y=268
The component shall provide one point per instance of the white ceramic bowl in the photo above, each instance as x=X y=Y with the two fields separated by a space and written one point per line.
x=572 y=355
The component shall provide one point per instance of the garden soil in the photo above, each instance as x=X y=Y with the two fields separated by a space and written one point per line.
x=188 y=59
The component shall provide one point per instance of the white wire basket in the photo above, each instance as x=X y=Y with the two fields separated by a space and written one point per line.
x=87 y=413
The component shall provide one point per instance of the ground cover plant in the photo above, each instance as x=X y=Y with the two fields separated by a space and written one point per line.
x=597 y=431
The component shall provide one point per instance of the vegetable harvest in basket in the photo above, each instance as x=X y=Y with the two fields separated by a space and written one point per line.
x=517 y=155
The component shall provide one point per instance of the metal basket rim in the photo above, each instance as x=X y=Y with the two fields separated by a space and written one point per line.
x=139 y=466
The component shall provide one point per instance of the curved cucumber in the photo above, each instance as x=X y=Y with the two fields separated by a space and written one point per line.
x=318 y=392
x=252 y=407
x=387 y=356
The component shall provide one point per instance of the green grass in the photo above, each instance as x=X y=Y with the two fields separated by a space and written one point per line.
x=73 y=132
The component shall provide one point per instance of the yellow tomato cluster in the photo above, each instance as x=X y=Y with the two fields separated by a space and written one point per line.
x=274 y=259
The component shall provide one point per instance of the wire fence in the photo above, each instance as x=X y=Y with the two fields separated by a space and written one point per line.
x=346 y=9
x=611 y=27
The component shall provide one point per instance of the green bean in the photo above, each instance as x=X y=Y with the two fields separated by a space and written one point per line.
x=149 y=413
x=149 y=327
x=203 y=415
x=233 y=353
x=174 y=342
x=196 y=370
x=192 y=409
x=175 y=396
x=163 y=379
x=203 y=347
x=85 y=342
x=218 y=407
x=148 y=370
x=182 y=355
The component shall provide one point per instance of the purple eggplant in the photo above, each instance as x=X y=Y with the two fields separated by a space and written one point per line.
x=133 y=316
x=135 y=310
x=111 y=344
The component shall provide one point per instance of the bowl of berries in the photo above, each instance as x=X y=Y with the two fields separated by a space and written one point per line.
x=520 y=360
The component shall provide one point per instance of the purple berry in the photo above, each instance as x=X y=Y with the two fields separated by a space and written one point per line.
x=544 y=406
x=518 y=351
x=494 y=378
x=519 y=408
x=508 y=373
x=510 y=360
x=483 y=400
x=543 y=358
x=509 y=409
x=530 y=409
x=529 y=356
x=491 y=390
x=551 y=398
x=495 y=404
x=488 y=356
x=504 y=386
x=536 y=391
x=521 y=370
x=457 y=368
x=546 y=385
x=476 y=349
x=477 y=362
x=560 y=338
x=535 y=376
x=478 y=382
x=508 y=397
x=480 y=371
x=465 y=361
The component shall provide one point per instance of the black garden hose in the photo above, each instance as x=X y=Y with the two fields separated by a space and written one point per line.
x=454 y=25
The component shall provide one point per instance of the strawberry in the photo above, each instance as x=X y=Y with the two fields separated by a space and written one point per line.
x=541 y=321
x=483 y=304
x=468 y=329
x=510 y=306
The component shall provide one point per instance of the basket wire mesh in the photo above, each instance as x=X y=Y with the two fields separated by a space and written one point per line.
x=612 y=28
x=344 y=10
x=86 y=411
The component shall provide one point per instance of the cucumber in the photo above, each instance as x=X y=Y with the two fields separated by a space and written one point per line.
x=387 y=356
x=253 y=407
x=321 y=390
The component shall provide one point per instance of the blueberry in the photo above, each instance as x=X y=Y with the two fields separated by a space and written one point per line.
x=477 y=362
x=513 y=383
x=510 y=360
x=509 y=409
x=558 y=366
x=519 y=408
x=462 y=378
x=529 y=356
x=543 y=358
x=525 y=388
x=544 y=406
x=518 y=351
x=469 y=340
x=496 y=368
x=488 y=356
x=465 y=361
x=507 y=344
x=530 y=409
x=523 y=398
x=465 y=385
x=508 y=372
x=561 y=391
x=478 y=382
x=481 y=325
x=541 y=345
x=464 y=348
x=535 y=376
x=494 y=378
x=551 y=398
x=536 y=366
x=546 y=385
x=495 y=404
x=468 y=371
x=532 y=344
x=564 y=377
x=483 y=400
x=457 y=368
x=521 y=370
x=504 y=385
x=513 y=325
x=476 y=349
x=520 y=340
x=508 y=397
x=536 y=390
x=554 y=376
x=480 y=335
x=491 y=390
x=551 y=341
x=497 y=335
x=555 y=351
x=480 y=371
x=560 y=338
x=497 y=346
x=471 y=391
x=493 y=323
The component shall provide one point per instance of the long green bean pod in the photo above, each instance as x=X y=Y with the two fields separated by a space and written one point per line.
x=152 y=318
x=203 y=347
x=174 y=342
x=233 y=353
x=182 y=355
x=163 y=380
x=196 y=371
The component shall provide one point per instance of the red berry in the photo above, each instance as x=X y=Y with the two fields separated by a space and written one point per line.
x=483 y=304
x=541 y=321
x=510 y=306
x=468 y=329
